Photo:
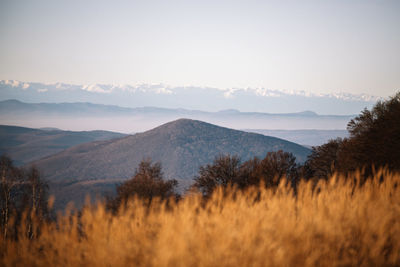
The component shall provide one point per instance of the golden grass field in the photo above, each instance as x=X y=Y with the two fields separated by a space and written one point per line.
x=342 y=225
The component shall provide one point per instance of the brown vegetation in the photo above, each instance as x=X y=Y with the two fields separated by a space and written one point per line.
x=227 y=170
x=338 y=223
x=374 y=142
x=21 y=191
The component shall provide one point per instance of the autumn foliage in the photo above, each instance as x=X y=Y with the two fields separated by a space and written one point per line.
x=337 y=223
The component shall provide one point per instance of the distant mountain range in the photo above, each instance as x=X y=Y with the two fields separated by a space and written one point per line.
x=188 y=97
x=304 y=137
x=24 y=145
x=88 y=116
x=181 y=146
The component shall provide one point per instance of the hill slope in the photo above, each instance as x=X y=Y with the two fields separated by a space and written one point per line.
x=181 y=146
x=24 y=145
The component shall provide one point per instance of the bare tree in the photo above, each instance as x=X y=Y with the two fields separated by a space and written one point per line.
x=21 y=192
x=147 y=183
x=227 y=170
x=11 y=178
x=224 y=171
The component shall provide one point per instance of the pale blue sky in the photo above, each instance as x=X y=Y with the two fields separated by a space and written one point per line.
x=316 y=46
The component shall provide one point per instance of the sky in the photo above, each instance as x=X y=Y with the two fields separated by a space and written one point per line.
x=315 y=46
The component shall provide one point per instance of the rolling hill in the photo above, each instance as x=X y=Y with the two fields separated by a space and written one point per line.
x=24 y=145
x=181 y=146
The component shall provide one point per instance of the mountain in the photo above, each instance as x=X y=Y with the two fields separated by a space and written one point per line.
x=14 y=107
x=88 y=116
x=188 y=97
x=24 y=145
x=181 y=146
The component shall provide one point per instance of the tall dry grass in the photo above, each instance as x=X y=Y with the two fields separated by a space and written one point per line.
x=341 y=225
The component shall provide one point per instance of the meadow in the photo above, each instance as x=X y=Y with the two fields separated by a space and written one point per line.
x=336 y=222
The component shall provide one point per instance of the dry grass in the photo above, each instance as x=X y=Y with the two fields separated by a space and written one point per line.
x=342 y=225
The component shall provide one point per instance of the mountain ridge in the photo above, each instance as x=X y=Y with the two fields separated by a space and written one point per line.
x=5 y=104
x=189 y=97
x=79 y=116
x=25 y=144
x=167 y=89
